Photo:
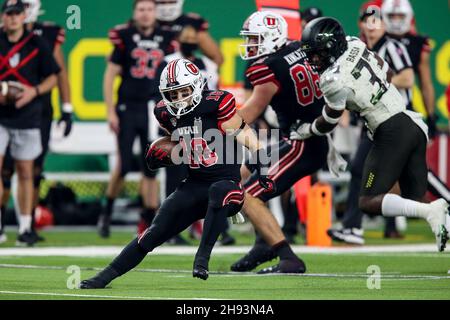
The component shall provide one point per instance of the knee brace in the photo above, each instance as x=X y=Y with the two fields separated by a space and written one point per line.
x=224 y=193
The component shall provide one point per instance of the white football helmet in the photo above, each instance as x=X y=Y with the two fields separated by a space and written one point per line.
x=401 y=7
x=33 y=10
x=271 y=30
x=168 y=10
x=179 y=74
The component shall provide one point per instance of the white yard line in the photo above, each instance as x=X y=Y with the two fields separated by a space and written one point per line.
x=188 y=273
x=108 y=251
x=51 y=294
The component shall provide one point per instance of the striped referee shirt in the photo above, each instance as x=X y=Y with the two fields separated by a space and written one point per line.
x=396 y=55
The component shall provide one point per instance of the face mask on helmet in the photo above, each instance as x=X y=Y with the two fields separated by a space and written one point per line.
x=181 y=86
x=32 y=10
x=264 y=32
x=397 y=16
x=319 y=59
x=323 y=41
x=168 y=10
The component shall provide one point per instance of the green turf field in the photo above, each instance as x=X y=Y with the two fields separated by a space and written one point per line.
x=411 y=275
x=418 y=232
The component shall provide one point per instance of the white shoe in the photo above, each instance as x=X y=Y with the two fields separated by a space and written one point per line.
x=3 y=238
x=439 y=209
x=350 y=236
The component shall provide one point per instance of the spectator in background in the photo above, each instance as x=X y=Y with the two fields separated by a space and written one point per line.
x=310 y=14
x=54 y=35
x=28 y=60
x=188 y=40
x=171 y=17
x=398 y=16
x=139 y=48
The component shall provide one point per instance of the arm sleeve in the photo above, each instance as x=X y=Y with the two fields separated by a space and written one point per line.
x=162 y=116
x=227 y=108
x=334 y=91
x=61 y=36
x=426 y=46
x=337 y=100
x=259 y=74
x=198 y=22
x=117 y=55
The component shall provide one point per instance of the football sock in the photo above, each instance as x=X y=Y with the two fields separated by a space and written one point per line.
x=284 y=251
x=128 y=259
x=259 y=240
x=394 y=205
x=109 y=206
x=148 y=214
x=33 y=218
x=212 y=227
x=24 y=223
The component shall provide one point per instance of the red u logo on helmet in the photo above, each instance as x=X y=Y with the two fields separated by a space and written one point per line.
x=271 y=21
x=192 y=68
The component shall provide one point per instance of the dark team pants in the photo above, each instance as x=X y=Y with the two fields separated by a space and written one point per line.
x=297 y=159
x=353 y=216
x=398 y=154
x=133 y=122
x=190 y=202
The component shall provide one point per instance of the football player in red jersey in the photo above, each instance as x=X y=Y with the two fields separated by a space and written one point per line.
x=282 y=78
x=209 y=129
x=171 y=17
x=139 y=48
x=54 y=36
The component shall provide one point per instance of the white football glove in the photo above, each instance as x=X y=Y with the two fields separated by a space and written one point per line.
x=301 y=131
x=236 y=219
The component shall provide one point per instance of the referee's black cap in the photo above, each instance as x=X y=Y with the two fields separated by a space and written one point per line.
x=13 y=6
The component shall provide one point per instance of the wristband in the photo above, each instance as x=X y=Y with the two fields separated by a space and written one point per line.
x=37 y=91
x=67 y=107
x=313 y=129
x=4 y=88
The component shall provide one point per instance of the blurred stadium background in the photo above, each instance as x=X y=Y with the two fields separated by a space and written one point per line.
x=90 y=148
x=83 y=161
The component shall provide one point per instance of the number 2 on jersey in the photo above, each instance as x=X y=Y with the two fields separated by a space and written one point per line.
x=306 y=83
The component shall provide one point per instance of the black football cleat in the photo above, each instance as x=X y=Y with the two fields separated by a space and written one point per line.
x=200 y=272
x=256 y=256
x=92 y=283
x=38 y=237
x=104 y=223
x=286 y=266
x=26 y=239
